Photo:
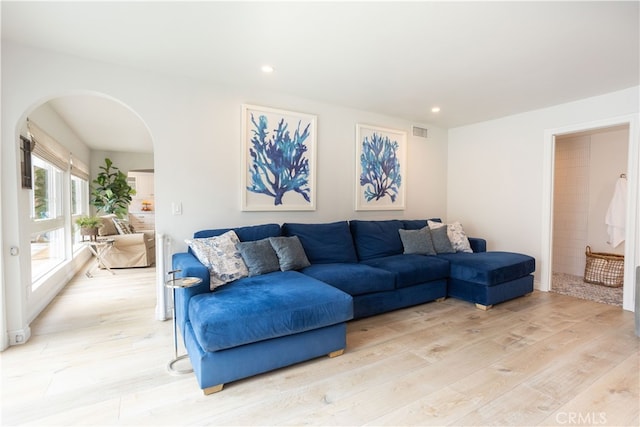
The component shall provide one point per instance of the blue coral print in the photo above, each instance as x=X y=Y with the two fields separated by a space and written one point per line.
x=380 y=175
x=279 y=161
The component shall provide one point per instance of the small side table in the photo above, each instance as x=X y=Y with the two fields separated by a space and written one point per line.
x=99 y=248
x=176 y=283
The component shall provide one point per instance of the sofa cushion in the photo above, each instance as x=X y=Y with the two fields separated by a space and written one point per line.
x=489 y=268
x=354 y=279
x=375 y=239
x=416 y=224
x=264 y=307
x=412 y=269
x=417 y=241
x=457 y=236
x=108 y=227
x=324 y=243
x=259 y=256
x=441 y=241
x=245 y=234
x=290 y=252
x=221 y=257
x=122 y=226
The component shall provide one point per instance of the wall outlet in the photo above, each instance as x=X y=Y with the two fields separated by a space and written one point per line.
x=176 y=208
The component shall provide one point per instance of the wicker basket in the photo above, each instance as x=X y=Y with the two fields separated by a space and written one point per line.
x=604 y=269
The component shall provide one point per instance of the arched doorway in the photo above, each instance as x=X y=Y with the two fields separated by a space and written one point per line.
x=84 y=125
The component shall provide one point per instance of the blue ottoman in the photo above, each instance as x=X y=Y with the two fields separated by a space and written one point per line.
x=488 y=278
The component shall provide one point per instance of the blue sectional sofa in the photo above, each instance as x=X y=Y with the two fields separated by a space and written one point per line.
x=293 y=306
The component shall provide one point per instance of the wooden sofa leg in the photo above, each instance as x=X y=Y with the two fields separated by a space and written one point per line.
x=483 y=307
x=210 y=390
x=336 y=353
x=440 y=299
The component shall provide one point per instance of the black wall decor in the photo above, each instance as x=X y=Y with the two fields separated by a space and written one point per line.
x=25 y=163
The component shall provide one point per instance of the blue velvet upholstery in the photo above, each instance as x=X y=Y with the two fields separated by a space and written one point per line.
x=358 y=269
x=250 y=232
x=489 y=268
x=375 y=239
x=411 y=269
x=263 y=307
x=324 y=243
x=220 y=367
x=190 y=267
x=417 y=224
x=354 y=279
x=381 y=302
x=490 y=295
x=477 y=244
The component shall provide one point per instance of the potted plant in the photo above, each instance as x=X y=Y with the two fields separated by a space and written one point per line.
x=111 y=193
x=89 y=226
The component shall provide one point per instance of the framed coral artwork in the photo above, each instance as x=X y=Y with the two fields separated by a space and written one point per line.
x=380 y=168
x=278 y=160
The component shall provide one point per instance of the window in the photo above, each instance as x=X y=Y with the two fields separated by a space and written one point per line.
x=47 y=218
x=79 y=205
x=59 y=196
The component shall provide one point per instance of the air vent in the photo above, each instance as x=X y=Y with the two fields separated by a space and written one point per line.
x=421 y=132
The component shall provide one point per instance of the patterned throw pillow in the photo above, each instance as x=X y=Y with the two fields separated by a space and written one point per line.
x=122 y=226
x=456 y=234
x=221 y=256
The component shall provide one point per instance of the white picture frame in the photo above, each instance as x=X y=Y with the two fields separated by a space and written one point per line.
x=278 y=159
x=380 y=168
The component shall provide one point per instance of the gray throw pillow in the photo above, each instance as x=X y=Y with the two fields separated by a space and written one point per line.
x=441 y=241
x=417 y=241
x=290 y=253
x=259 y=256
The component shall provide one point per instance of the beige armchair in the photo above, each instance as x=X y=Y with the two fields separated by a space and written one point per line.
x=130 y=249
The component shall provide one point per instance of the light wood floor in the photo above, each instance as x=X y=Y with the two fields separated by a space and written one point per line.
x=98 y=357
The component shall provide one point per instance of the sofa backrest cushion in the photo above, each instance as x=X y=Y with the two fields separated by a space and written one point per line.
x=417 y=224
x=375 y=239
x=245 y=234
x=324 y=243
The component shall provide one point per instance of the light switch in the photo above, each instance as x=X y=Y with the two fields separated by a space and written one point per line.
x=176 y=208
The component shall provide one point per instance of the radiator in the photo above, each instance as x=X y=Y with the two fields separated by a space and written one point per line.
x=163 y=266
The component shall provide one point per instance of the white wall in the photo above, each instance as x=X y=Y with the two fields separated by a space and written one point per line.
x=496 y=186
x=609 y=158
x=196 y=128
x=571 y=204
x=49 y=121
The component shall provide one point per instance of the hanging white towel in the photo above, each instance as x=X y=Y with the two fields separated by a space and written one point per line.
x=616 y=214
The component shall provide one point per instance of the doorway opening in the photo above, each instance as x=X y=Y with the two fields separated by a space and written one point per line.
x=587 y=166
x=552 y=228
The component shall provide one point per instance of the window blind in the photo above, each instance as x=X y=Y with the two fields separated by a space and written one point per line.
x=79 y=168
x=47 y=148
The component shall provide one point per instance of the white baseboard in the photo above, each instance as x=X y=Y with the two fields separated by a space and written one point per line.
x=20 y=336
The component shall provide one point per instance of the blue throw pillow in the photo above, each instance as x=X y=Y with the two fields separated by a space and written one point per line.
x=417 y=241
x=259 y=256
x=324 y=243
x=441 y=241
x=290 y=253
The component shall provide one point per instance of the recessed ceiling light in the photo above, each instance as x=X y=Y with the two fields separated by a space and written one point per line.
x=267 y=69
x=435 y=110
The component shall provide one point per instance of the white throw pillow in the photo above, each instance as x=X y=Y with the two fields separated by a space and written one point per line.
x=456 y=235
x=221 y=256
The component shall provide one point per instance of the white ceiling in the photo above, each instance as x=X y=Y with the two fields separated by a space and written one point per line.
x=475 y=60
